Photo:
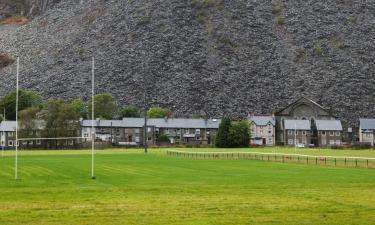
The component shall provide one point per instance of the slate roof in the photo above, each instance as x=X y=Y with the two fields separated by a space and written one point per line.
x=8 y=126
x=161 y=123
x=329 y=125
x=367 y=124
x=185 y=123
x=297 y=124
x=262 y=120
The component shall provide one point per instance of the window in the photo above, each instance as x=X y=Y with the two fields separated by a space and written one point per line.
x=137 y=139
x=297 y=132
x=10 y=134
x=149 y=129
x=338 y=142
x=270 y=132
x=149 y=138
x=261 y=131
x=187 y=131
x=337 y=133
x=85 y=135
x=137 y=130
x=290 y=132
x=331 y=133
x=368 y=135
x=10 y=143
x=323 y=133
x=324 y=142
x=38 y=142
x=290 y=141
x=304 y=132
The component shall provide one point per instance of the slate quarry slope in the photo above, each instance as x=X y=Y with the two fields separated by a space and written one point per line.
x=211 y=57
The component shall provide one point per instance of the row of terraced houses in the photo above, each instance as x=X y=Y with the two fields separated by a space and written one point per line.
x=303 y=123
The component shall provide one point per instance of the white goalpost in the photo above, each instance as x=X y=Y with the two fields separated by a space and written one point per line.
x=17 y=140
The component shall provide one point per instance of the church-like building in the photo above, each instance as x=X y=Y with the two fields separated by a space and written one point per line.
x=306 y=123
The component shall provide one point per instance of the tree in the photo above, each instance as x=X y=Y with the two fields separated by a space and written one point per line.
x=222 y=137
x=26 y=99
x=80 y=107
x=105 y=106
x=239 y=135
x=28 y=123
x=158 y=112
x=130 y=111
x=61 y=120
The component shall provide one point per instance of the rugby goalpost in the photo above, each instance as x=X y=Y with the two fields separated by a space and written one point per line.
x=58 y=138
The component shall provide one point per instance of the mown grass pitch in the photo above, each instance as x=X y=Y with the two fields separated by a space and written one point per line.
x=137 y=188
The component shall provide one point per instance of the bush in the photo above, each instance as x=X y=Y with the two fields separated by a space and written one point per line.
x=276 y=9
x=360 y=146
x=5 y=60
x=280 y=20
x=163 y=139
x=337 y=147
x=158 y=112
x=204 y=4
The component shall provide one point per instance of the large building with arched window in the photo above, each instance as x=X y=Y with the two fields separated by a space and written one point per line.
x=307 y=123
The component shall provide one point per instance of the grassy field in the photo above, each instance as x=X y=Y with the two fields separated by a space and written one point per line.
x=137 y=188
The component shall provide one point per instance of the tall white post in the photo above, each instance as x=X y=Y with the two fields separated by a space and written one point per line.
x=295 y=136
x=92 y=118
x=16 y=143
x=2 y=136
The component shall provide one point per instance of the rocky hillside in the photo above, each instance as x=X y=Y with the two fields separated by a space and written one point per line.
x=211 y=57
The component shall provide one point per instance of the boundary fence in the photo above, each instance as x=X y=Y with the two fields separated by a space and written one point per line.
x=336 y=161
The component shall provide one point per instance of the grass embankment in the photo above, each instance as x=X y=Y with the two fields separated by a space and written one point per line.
x=137 y=188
